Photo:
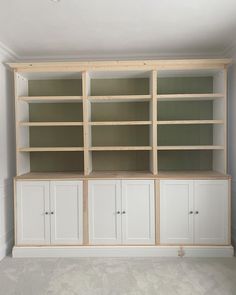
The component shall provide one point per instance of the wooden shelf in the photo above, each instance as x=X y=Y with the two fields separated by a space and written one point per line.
x=116 y=123
x=50 y=99
x=119 y=98
x=191 y=147
x=189 y=122
x=192 y=174
x=50 y=175
x=124 y=174
x=51 y=124
x=121 y=148
x=181 y=97
x=51 y=149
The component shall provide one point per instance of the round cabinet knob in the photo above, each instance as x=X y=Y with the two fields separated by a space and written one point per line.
x=196 y=212
x=190 y=212
x=123 y=212
x=52 y=212
x=118 y=212
x=46 y=213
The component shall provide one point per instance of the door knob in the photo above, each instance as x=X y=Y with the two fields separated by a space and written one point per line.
x=190 y=212
x=46 y=213
x=118 y=212
x=52 y=212
x=196 y=212
x=123 y=212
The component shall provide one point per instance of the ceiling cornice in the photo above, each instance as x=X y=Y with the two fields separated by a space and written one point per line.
x=229 y=51
x=134 y=56
x=9 y=53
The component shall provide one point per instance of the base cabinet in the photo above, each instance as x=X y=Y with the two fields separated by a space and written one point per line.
x=194 y=212
x=176 y=205
x=32 y=204
x=66 y=200
x=49 y=212
x=121 y=212
x=211 y=212
x=104 y=201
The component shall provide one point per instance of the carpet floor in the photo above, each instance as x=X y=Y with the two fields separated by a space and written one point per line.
x=118 y=276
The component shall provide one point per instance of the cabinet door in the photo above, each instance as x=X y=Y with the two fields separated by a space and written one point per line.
x=104 y=211
x=66 y=212
x=176 y=211
x=32 y=213
x=138 y=212
x=211 y=211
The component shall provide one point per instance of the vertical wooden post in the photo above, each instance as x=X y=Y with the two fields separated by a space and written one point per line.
x=86 y=127
x=153 y=114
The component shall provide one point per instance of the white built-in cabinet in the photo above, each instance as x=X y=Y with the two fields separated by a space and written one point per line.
x=194 y=212
x=33 y=212
x=49 y=212
x=121 y=212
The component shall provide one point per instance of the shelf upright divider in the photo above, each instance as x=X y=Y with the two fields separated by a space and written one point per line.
x=219 y=131
x=86 y=120
x=21 y=114
x=153 y=115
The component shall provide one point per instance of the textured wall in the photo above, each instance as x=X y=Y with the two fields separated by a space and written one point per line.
x=7 y=155
x=232 y=138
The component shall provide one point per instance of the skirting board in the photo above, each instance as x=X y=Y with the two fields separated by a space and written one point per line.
x=123 y=251
x=5 y=249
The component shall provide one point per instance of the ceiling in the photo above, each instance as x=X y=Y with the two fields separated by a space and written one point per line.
x=99 y=29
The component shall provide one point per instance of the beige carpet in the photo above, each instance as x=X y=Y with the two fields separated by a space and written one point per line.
x=118 y=276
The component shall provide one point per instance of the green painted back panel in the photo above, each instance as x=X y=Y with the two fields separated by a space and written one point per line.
x=185 y=110
x=181 y=85
x=120 y=111
x=56 y=112
x=168 y=160
x=56 y=161
x=56 y=136
x=119 y=86
x=185 y=134
x=121 y=161
x=120 y=135
x=55 y=87
x=184 y=160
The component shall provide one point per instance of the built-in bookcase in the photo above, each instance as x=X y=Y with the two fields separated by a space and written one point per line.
x=191 y=120
x=136 y=118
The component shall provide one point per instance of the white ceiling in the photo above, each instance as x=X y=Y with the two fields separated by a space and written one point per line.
x=99 y=29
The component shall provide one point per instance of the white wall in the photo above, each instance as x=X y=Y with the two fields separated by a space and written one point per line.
x=7 y=154
x=232 y=138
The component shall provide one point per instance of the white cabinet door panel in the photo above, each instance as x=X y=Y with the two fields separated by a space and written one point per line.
x=176 y=207
x=138 y=212
x=66 y=212
x=32 y=203
x=211 y=211
x=104 y=211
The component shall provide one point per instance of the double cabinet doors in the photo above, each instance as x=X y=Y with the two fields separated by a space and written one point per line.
x=49 y=212
x=121 y=212
x=194 y=212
